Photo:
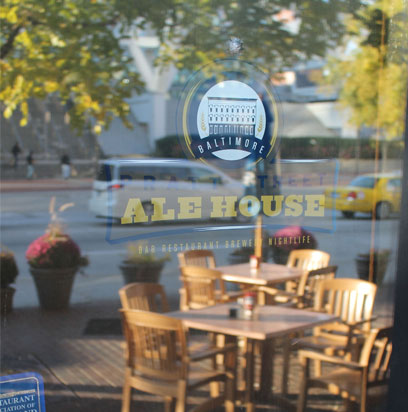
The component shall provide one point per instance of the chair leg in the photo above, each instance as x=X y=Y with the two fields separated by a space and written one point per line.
x=218 y=362
x=229 y=389
x=169 y=404
x=127 y=392
x=230 y=386
x=181 y=396
x=301 y=405
x=286 y=364
x=317 y=368
x=214 y=389
x=220 y=343
x=318 y=364
x=363 y=395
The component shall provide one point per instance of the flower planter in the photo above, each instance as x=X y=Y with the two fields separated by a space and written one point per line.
x=6 y=296
x=54 y=287
x=141 y=272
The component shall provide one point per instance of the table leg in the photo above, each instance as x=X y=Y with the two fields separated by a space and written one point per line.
x=249 y=376
x=266 y=379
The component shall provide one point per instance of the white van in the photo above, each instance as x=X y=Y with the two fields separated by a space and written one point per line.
x=121 y=179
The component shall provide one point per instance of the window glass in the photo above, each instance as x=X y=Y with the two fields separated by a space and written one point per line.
x=131 y=172
x=159 y=173
x=394 y=184
x=256 y=134
x=105 y=173
x=363 y=181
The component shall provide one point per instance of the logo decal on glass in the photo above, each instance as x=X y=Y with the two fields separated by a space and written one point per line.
x=231 y=123
x=228 y=115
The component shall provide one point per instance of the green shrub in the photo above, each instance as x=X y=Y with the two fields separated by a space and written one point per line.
x=335 y=147
x=307 y=147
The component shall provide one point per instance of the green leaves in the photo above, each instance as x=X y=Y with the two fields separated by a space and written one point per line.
x=68 y=48
x=373 y=78
x=73 y=48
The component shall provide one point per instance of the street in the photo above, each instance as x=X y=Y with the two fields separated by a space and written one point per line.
x=25 y=216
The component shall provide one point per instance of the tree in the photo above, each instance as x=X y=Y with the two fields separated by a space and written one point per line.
x=73 y=48
x=374 y=77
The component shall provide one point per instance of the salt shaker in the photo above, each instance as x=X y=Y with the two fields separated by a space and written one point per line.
x=254 y=263
x=249 y=304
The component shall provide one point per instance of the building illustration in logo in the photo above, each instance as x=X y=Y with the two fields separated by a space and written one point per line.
x=231 y=116
x=231 y=123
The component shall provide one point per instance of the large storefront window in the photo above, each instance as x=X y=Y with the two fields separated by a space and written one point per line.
x=208 y=183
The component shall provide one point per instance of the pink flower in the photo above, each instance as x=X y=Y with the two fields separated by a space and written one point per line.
x=53 y=252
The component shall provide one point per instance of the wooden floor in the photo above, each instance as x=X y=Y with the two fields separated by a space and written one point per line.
x=85 y=372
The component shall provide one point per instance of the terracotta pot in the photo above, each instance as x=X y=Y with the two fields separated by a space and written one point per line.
x=54 y=286
x=141 y=272
x=6 y=296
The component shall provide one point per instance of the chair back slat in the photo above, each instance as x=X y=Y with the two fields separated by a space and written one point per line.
x=156 y=344
x=348 y=304
x=338 y=304
x=362 y=301
x=350 y=299
x=203 y=258
x=150 y=297
x=200 y=285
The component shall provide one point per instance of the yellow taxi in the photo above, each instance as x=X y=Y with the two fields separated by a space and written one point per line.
x=383 y=191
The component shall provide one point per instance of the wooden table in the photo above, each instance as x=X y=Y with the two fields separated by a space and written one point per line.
x=267 y=274
x=270 y=322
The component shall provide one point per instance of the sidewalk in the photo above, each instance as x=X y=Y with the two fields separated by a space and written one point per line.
x=25 y=185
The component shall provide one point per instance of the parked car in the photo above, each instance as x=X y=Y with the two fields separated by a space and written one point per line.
x=383 y=190
x=121 y=179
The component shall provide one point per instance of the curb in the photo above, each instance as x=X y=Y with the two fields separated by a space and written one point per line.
x=43 y=186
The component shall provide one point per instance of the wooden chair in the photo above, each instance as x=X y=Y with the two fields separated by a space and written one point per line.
x=150 y=297
x=303 y=296
x=352 y=300
x=203 y=287
x=309 y=285
x=307 y=259
x=203 y=258
x=158 y=363
x=351 y=380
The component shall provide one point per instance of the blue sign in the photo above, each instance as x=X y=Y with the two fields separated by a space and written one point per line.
x=23 y=392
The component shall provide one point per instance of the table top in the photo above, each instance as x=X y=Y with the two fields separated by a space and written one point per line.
x=269 y=321
x=267 y=274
